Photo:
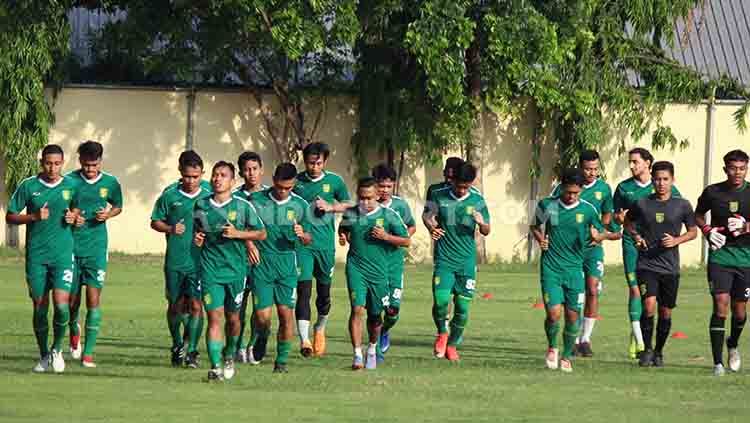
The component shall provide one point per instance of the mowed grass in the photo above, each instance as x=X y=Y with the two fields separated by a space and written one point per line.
x=500 y=376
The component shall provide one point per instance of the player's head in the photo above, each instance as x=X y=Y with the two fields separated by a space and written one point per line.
x=385 y=176
x=451 y=165
x=588 y=162
x=52 y=161
x=191 y=171
x=735 y=166
x=367 y=194
x=90 y=157
x=315 y=156
x=639 y=160
x=222 y=177
x=662 y=176
x=250 y=166
x=463 y=179
x=571 y=185
x=283 y=180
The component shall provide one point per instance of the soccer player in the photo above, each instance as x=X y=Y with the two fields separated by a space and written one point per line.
x=285 y=216
x=49 y=201
x=385 y=177
x=729 y=255
x=250 y=166
x=98 y=199
x=173 y=216
x=598 y=194
x=654 y=223
x=571 y=226
x=222 y=223
x=372 y=231
x=451 y=165
x=327 y=194
x=183 y=156
x=460 y=211
x=626 y=194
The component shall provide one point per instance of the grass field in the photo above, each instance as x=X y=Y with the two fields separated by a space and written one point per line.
x=500 y=376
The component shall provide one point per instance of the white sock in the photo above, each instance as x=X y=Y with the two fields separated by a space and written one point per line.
x=358 y=352
x=578 y=340
x=588 y=328
x=321 y=322
x=637 y=332
x=303 y=329
x=371 y=349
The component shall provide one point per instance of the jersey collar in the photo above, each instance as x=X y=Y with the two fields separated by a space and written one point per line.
x=217 y=205
x=568 y=207
x=91 y=181
x=387 y=205
x=468 y=193
x=375 y=210
x=640 y=184
x=591 y=184
x=278 y=203
x=190 y=196
x=318 y=179
x=49 y=185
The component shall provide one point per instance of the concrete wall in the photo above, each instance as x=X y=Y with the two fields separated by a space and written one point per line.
x=143 y=132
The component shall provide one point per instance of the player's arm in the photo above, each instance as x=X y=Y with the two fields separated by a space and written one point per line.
x=712 y=234
x=396 y=234
x=429 y=219
x=230 y=231
x=345 y=230
x=18 y=202
x=165 y=228
x=618 y=202
x=612 y=235
x=688 y=219
x=536 y=228
x=482 y=219
x=630 y=227
x=302 y=233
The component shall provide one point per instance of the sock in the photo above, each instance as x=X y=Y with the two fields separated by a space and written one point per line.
x=460 y=319
x=736 y=331
x=358 y=352
x=441 y=299
x=60 y=319
x=214 y=352
x=635 y=309
x=579 y=322
x=637 y=332
x=93 y=318
x=41 y=328
x=716 y=332
x=552 y=329
x=322 y=299
x=195 y=327
x=372 y=349
x=184 y=317
x=282 y=351
x=647 y=328
x=391 y=317
x=242 y=342
x=569 y=338
x=75 y=330
x=588 y=328
x=231 y=347
x=320 y=324
x=662 y=333
x=303 y=329
x=173 y=322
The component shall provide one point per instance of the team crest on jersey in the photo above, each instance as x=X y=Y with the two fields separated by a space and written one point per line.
x=66 y=194
x=436 y=280
x=469 y=210
x=207 y=299
x=103 y=192
x=326 y=188
x=232 y=215
x=659 y=217
x=291 y=215
x=734 y=206
x=546 y=298
x=379 y=222
x=579 y=217
x=598 y=195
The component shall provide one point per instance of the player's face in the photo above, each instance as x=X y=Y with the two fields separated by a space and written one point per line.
x=590 y=170
x=190 y=178
x=638 y=166
x=222 y=180
x=461 y=188
x=282 y=189
x=368 y=198
x=314 y=165
x=662 y=181
x=52 y=166
x=90 y=168
x=570 y=194
x=736 y=172
x=252 y=173
x=385 y=189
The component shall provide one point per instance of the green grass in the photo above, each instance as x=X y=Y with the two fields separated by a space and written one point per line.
x=500 y=376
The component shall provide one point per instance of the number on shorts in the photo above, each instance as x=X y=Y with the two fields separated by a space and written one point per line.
x=67 y=276
x=747 y=292
x=397 y=294
x=100 y=275
x=471 y=284
x=600 y=267
x=238 y=298
x=386 y=302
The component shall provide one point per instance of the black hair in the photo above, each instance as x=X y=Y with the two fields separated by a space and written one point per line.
x=248 y=156
x=90 y=150
x=662 y=165
x=735 y=156
x=572 y=176
x=222 y=163
x=190 y=158
x=452 y=164
x=645 y=154
x=588 y=156
x=366 y=182
x=467 y=172
x=316 y=149
x=52 y=149
x=285 y=172
x=383 y=171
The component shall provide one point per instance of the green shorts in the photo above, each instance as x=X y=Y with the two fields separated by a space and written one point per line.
x=178 y=283
x=366 y=292
x=566 y=287
x=316 y=263
x=630 y=261
x=593 y=263
x=461 y=282
x=226 y=295
x=395 y=285
x=43 y=276
x=90 y=271
x=249 y=284
x=275 y=282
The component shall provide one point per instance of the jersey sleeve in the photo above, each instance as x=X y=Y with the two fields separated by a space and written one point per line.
x=688 y=216
x=555 y=191
x=347 y=221
x=408 y=216
x=540 y=213
x=115 y=195
x=595 y=220
x=397 y=225
x=607 y=202
x=253 y=221
x=618 y=200
x=704 y=202
x=19 y=199
x=483 y=210
x=342 y=192
x=676 y=192
x=160 y=209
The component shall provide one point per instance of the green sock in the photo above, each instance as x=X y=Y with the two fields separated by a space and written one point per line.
x=195 y=327
x=460 y=319
x=441 y=299
x=174 y=321
x=41 y=328
x=635 y=308
x=390 y=321
x=569 y=338
x=242 y=343
x=214 y=351
x=184 y=318
x=75 y=330
x=254 y=332
x=552 y=329
x=60 y=320
x=282 y=351
x=231 y=348
x=93 y=319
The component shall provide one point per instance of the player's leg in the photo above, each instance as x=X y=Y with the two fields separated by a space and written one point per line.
x=76 y=349
x=323 y=266
x=720 y=281
x=463 y=291
x=242 y=343
x=649 y=287
x=195 y=321
x=443 y=281
x=358 y=299
x=304 y=294
x=213 y=301
x=552 y=293
x=285 y=298
x=377 y=300
x=635 y=307
x=593 y=269
x=739 y=293
x=232 y=303
x=61 y=274
x=93 y=273
x=573 y=287
x=263 y=301
x=669 y=285
x=36 y=280
x=174 y=291
x=395 y=292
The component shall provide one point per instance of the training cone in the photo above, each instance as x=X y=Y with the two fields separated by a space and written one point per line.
x=599 y=317
x=487 y=296
x=538 y=304
x=679 y=335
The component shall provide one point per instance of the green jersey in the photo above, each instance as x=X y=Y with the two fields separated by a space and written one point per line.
x=47 y=241
x=330 y=188
x=279 y=218
x=224 y=260
x=93 y=195
x=367 y=254
x=176 y=206
x=401 y=207
x=568 y=229
x=599 y=195
x=203 y=184
x=455 y=216
x=628 y=192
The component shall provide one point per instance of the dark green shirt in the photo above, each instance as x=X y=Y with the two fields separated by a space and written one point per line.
x=92 y=196
x=330 y=188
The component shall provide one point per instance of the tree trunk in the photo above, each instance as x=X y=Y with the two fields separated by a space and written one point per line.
x=475 y=147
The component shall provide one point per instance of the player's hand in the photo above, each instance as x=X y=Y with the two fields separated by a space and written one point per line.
x=42 y=214
x=80 y=221
x=640 y=243
x=323 y=205
x=478 y=218
x=596 y=239
x=737 y=225
x=668 y=241
x=179 y=227
x=619 y=216
x=229 y=231
x=437 y=233
x=343 y=239
x=70 y=217
x=299 y=230
x=379 y=233
x=714 y=237
x=200 y=237
x=102 y=215
x=253 y=255
x=544 y=244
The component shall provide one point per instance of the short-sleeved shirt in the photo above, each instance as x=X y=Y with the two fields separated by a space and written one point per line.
x=367 y=254
x=48 y=240
x=653 y=219
x=438 y=186
x=724 y=202
x=224 y=260
x=401 y=207
x=176 y=206
x=599 y=195
x=93 y=195
x=456 y=248
x=628 y=192
x=331 y=188
x=569 y=230
x=279 y=218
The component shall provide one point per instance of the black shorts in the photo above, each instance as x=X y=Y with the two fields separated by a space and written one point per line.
x=663 y=286
x=732 y=280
